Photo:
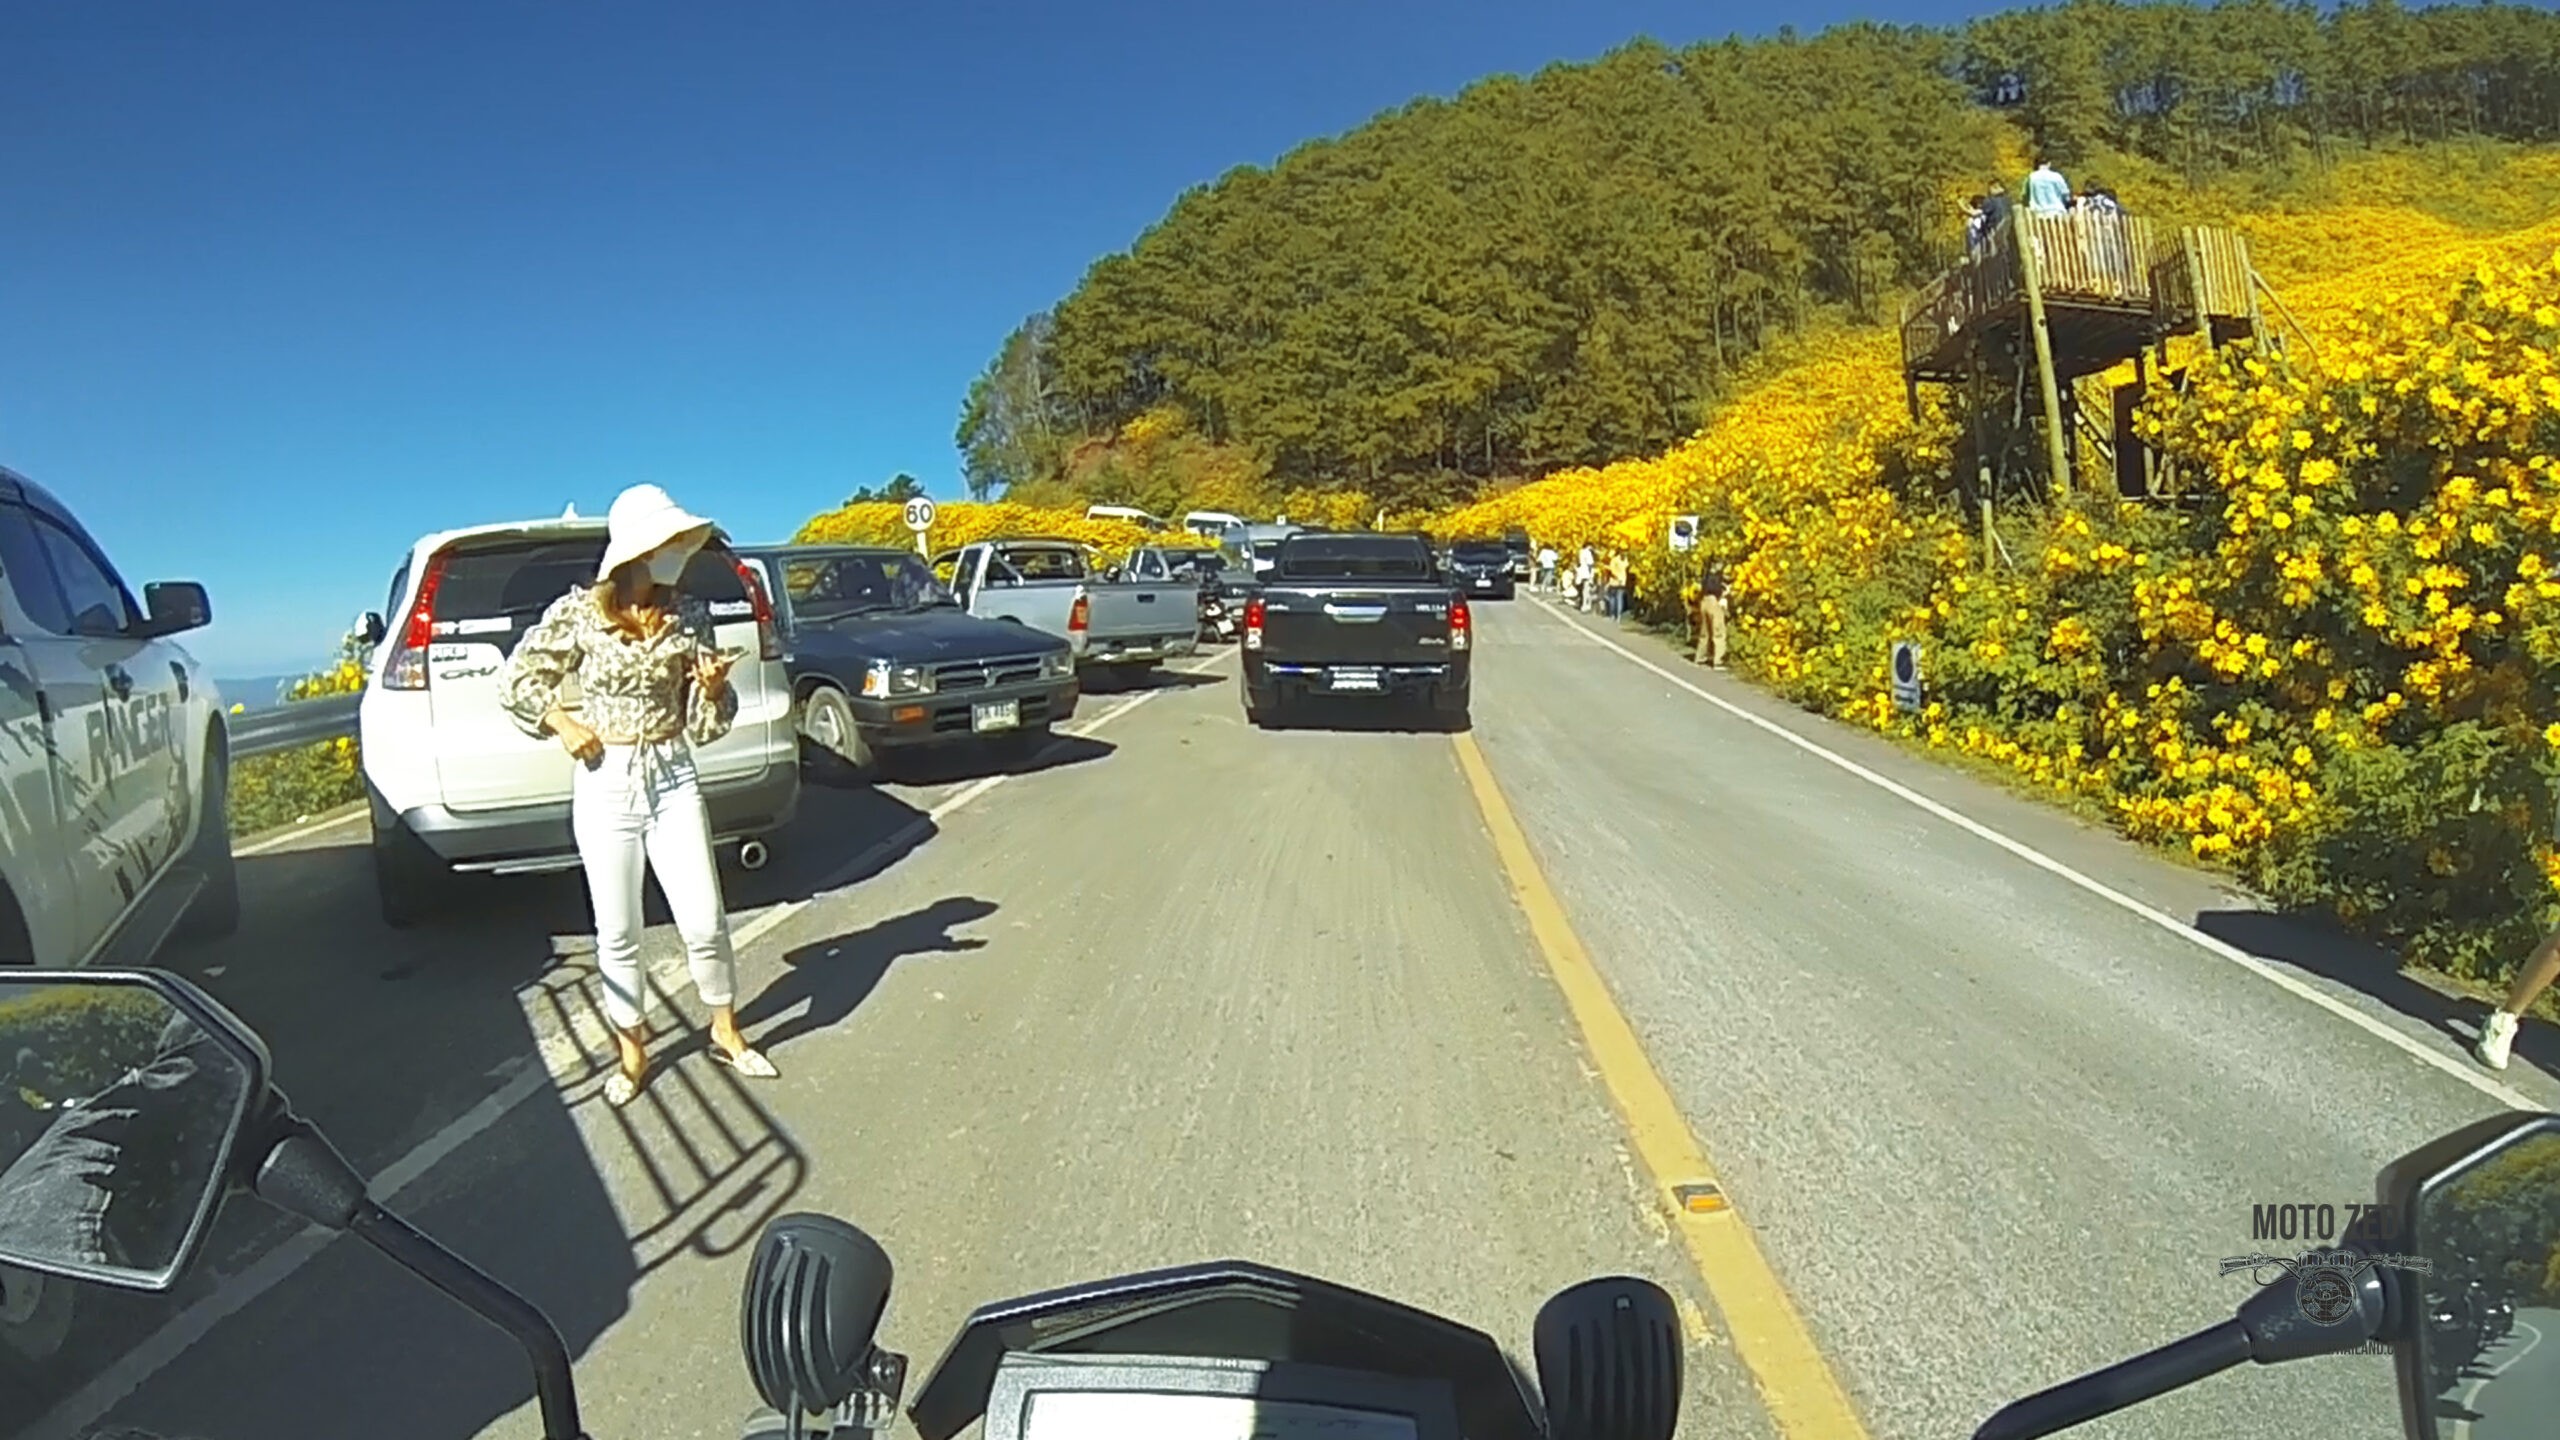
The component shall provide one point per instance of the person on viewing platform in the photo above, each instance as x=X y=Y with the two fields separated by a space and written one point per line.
x=2047 y=192
x=654 y=685
x=1995 y=208
x=2498 y=1032
x=1976 y=227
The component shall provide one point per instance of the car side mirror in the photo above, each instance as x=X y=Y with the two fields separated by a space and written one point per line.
x=176 y=606
x=369 y=628
x=131 y=1090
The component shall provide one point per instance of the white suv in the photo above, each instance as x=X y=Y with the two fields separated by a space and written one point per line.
x=455 y=785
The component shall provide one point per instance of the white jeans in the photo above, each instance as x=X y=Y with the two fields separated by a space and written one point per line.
x=643 y=803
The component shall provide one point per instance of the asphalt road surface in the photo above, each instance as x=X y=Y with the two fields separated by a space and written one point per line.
x=1989 y=1110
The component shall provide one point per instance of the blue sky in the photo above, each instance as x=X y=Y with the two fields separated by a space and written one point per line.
x=285 y=286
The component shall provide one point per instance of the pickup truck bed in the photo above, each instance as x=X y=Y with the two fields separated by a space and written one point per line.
x=1357 y=615
x=1046 y=585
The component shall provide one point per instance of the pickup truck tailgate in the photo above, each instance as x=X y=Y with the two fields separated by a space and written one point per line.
x=1342 y=624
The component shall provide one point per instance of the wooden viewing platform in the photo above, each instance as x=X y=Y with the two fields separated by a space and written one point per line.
x=2083 y=294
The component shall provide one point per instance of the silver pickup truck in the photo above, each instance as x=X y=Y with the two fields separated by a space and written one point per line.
x=1049 y=585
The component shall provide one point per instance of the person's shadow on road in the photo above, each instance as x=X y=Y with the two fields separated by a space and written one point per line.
x=827 y=980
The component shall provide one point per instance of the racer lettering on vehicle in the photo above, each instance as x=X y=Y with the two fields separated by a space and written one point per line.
x=122 y=738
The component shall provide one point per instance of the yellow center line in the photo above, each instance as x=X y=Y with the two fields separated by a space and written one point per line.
x=1804 y=1398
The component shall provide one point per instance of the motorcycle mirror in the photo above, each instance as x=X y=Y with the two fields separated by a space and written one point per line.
x=1609 y=1359
x=2478 y=1335
x=816 y=1289
x=126 y=1094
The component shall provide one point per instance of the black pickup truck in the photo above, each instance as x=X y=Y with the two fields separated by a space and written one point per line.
x=882 y=659
x=1356 y=614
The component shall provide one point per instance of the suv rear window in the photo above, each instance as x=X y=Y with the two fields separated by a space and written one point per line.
x=1355 y=557
x=493 y=591
x=1480 y=552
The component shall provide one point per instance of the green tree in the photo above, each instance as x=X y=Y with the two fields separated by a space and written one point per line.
x=901 y=488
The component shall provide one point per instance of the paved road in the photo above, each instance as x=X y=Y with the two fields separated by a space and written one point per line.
x=1189 y=990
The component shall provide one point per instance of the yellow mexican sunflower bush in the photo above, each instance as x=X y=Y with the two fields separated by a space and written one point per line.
x=966 y=523
x=279 y=789
x=2340 y=677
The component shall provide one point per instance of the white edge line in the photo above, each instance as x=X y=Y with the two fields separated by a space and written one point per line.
x=111 y=1387
x=278 y=839
x=2494 y=1089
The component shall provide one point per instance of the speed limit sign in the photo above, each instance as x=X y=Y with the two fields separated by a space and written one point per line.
x=919 y=514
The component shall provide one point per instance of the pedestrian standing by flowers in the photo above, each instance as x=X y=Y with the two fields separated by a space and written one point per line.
x=655 y=684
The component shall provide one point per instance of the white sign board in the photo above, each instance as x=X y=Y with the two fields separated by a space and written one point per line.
x=919 y=514
x=1906 y=675
x=1684 y=532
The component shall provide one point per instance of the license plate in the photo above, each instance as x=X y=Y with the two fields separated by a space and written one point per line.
x=1352 y=680
x=995 y=715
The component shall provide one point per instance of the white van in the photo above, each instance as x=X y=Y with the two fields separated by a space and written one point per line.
x=1211 y=524
x=1130 y=513
x=454 y=785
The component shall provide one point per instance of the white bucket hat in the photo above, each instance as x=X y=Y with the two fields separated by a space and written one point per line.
x=642 y=519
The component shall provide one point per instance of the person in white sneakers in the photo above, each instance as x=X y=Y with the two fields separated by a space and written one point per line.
x=654 y=685
x=2498 y=1032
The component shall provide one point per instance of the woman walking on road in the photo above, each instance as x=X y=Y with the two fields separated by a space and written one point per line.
x=654 y=685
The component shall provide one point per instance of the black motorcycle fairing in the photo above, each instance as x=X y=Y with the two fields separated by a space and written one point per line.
x=1233 y=1310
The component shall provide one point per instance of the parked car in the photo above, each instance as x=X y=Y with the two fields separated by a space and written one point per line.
x=882 y=659
x=1050 y=586
x=1482 y=567
x=454 y=785
x=1524 y=555
x=117 y=836
x=1357 y=614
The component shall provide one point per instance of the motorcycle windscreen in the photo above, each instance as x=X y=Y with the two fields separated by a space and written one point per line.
x=1228 y=1310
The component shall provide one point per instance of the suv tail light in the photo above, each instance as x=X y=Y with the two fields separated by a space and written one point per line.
x=1080 y=615
x=407 y=667
x=768 y=633
x=1461 y=624
x=1253 y=623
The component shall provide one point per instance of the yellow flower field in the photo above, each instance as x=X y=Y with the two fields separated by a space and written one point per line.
x=272 y=790
x=2342 y=674
x=965 y=523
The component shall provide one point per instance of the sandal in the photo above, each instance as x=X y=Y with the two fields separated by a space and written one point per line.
x=746 y=1062
x=621 y=1089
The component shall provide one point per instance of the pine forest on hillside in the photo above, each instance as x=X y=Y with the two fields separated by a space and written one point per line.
x=1573 y=267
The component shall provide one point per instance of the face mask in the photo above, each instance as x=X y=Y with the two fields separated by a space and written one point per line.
x=666 y=567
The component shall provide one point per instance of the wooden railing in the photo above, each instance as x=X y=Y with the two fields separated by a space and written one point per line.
x=2115 y=261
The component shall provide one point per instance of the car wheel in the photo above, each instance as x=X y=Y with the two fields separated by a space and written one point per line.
x=831 y=743
x=36 y=1312
x=406 y=874
x=215 y=912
